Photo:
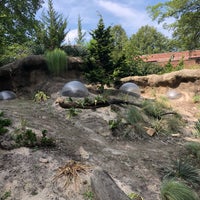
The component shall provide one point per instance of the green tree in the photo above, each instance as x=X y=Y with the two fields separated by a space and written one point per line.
x=51 y=31
x=99 y=64
x=186 y=25
x=17 y=19
x=80 y=39
x=119 y=38
x=148 y=40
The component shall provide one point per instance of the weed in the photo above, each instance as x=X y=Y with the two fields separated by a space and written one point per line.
x=5 y=195
x=197 y=128
x=45 y=141
x=134 y=116
x=72 y=112
x=40 y=96
x=57 y=61
x=194 y=149
x=71 y=170
x=114 y=124
x=184 y=171
x=196 y=98
x=4 y=123
x=174 y=190
x=88 y=195
x=135 y=196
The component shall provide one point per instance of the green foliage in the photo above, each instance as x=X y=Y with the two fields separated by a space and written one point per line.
x=57 y=61
x=4 y=122
x=135 y=196
x=197 y=128
x=72 y=112
x=40 y=96
x=51 y=30
x=80 y=39
x=184 y=171
x=196 y=98
x=114 y=124
x=6 y=195
x=148 y=40
x=174 y=190
x=46 y=141
x=99 y=65
x=186 y=24
x=134 y=116
x=194 y=149
x=88 y=195
x=13 y=52
x=153 y=108
x=75 y=50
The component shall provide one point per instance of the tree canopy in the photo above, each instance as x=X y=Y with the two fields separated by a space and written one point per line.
x=148 y=40
x=52 y=29
x=186 y=25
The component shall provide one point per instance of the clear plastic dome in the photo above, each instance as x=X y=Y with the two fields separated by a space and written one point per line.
x=173 y=94
x=7 y=95
x=130 y=88
x=74 y=89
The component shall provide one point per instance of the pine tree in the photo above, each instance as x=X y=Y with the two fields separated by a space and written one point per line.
x=81 y=35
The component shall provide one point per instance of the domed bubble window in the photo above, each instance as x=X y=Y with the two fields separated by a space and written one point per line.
x=173 y=94
x=130 y=88
x=7 y=95
x=74 y=89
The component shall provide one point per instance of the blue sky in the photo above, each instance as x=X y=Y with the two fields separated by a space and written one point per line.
x=130 y=14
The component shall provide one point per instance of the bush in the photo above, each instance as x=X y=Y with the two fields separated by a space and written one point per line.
x=174 y=190
x=57 y=61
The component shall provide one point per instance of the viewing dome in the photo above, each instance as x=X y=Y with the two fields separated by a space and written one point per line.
x=74 y=89
x=173 y=94
x=7 y=95
x=131 y=88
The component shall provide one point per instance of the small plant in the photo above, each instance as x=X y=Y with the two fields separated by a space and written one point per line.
x=72 y=112
x=135 y=196
x=196 y=98
x=194 y=149
x=45 y=141
x=134 y=116
x=113 y=124
x=5 y=195
x=40 y=96
x=197 y=128
x=71 y=171
x=57 y=61
x=184 y=171
x=4 y=123
x=174 y=190
x=88 y=195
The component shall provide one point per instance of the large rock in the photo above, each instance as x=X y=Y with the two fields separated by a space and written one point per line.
x=172 y=79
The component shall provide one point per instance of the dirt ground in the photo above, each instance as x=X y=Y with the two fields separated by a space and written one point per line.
x=136 y=166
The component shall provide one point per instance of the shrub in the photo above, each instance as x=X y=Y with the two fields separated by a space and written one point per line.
x=174 y=190
x=186 y=172
x=57 y=61
x=4 y=123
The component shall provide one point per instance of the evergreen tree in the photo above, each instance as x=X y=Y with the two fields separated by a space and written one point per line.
x=80 y=39
x=52 y=29
x=99 y=64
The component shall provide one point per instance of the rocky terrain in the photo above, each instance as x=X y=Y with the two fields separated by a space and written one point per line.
x=137 y=165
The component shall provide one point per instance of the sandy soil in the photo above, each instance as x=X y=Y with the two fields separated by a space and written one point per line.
x=137 y=166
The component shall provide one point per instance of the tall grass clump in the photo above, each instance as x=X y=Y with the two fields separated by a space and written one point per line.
x=194 y=149
x=174 y=190
x=57 y=61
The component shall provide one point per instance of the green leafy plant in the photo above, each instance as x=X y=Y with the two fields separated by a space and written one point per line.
x=45 y=141
x=88 y=195
x=113 y=124
x=174 y=190
x=184 y=171
x=5 y=195
x=72 y=112
x=57 y=61
x=4 y=123
x=40 y=96
x=197 y=128
x=194 y=149
x=135 y=196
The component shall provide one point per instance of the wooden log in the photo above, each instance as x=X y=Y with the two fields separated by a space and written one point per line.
x=105 y=188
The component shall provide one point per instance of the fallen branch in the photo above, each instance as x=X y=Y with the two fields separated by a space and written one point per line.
x=93 y=105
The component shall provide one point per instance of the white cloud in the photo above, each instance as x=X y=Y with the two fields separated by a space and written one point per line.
x=71 y=36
